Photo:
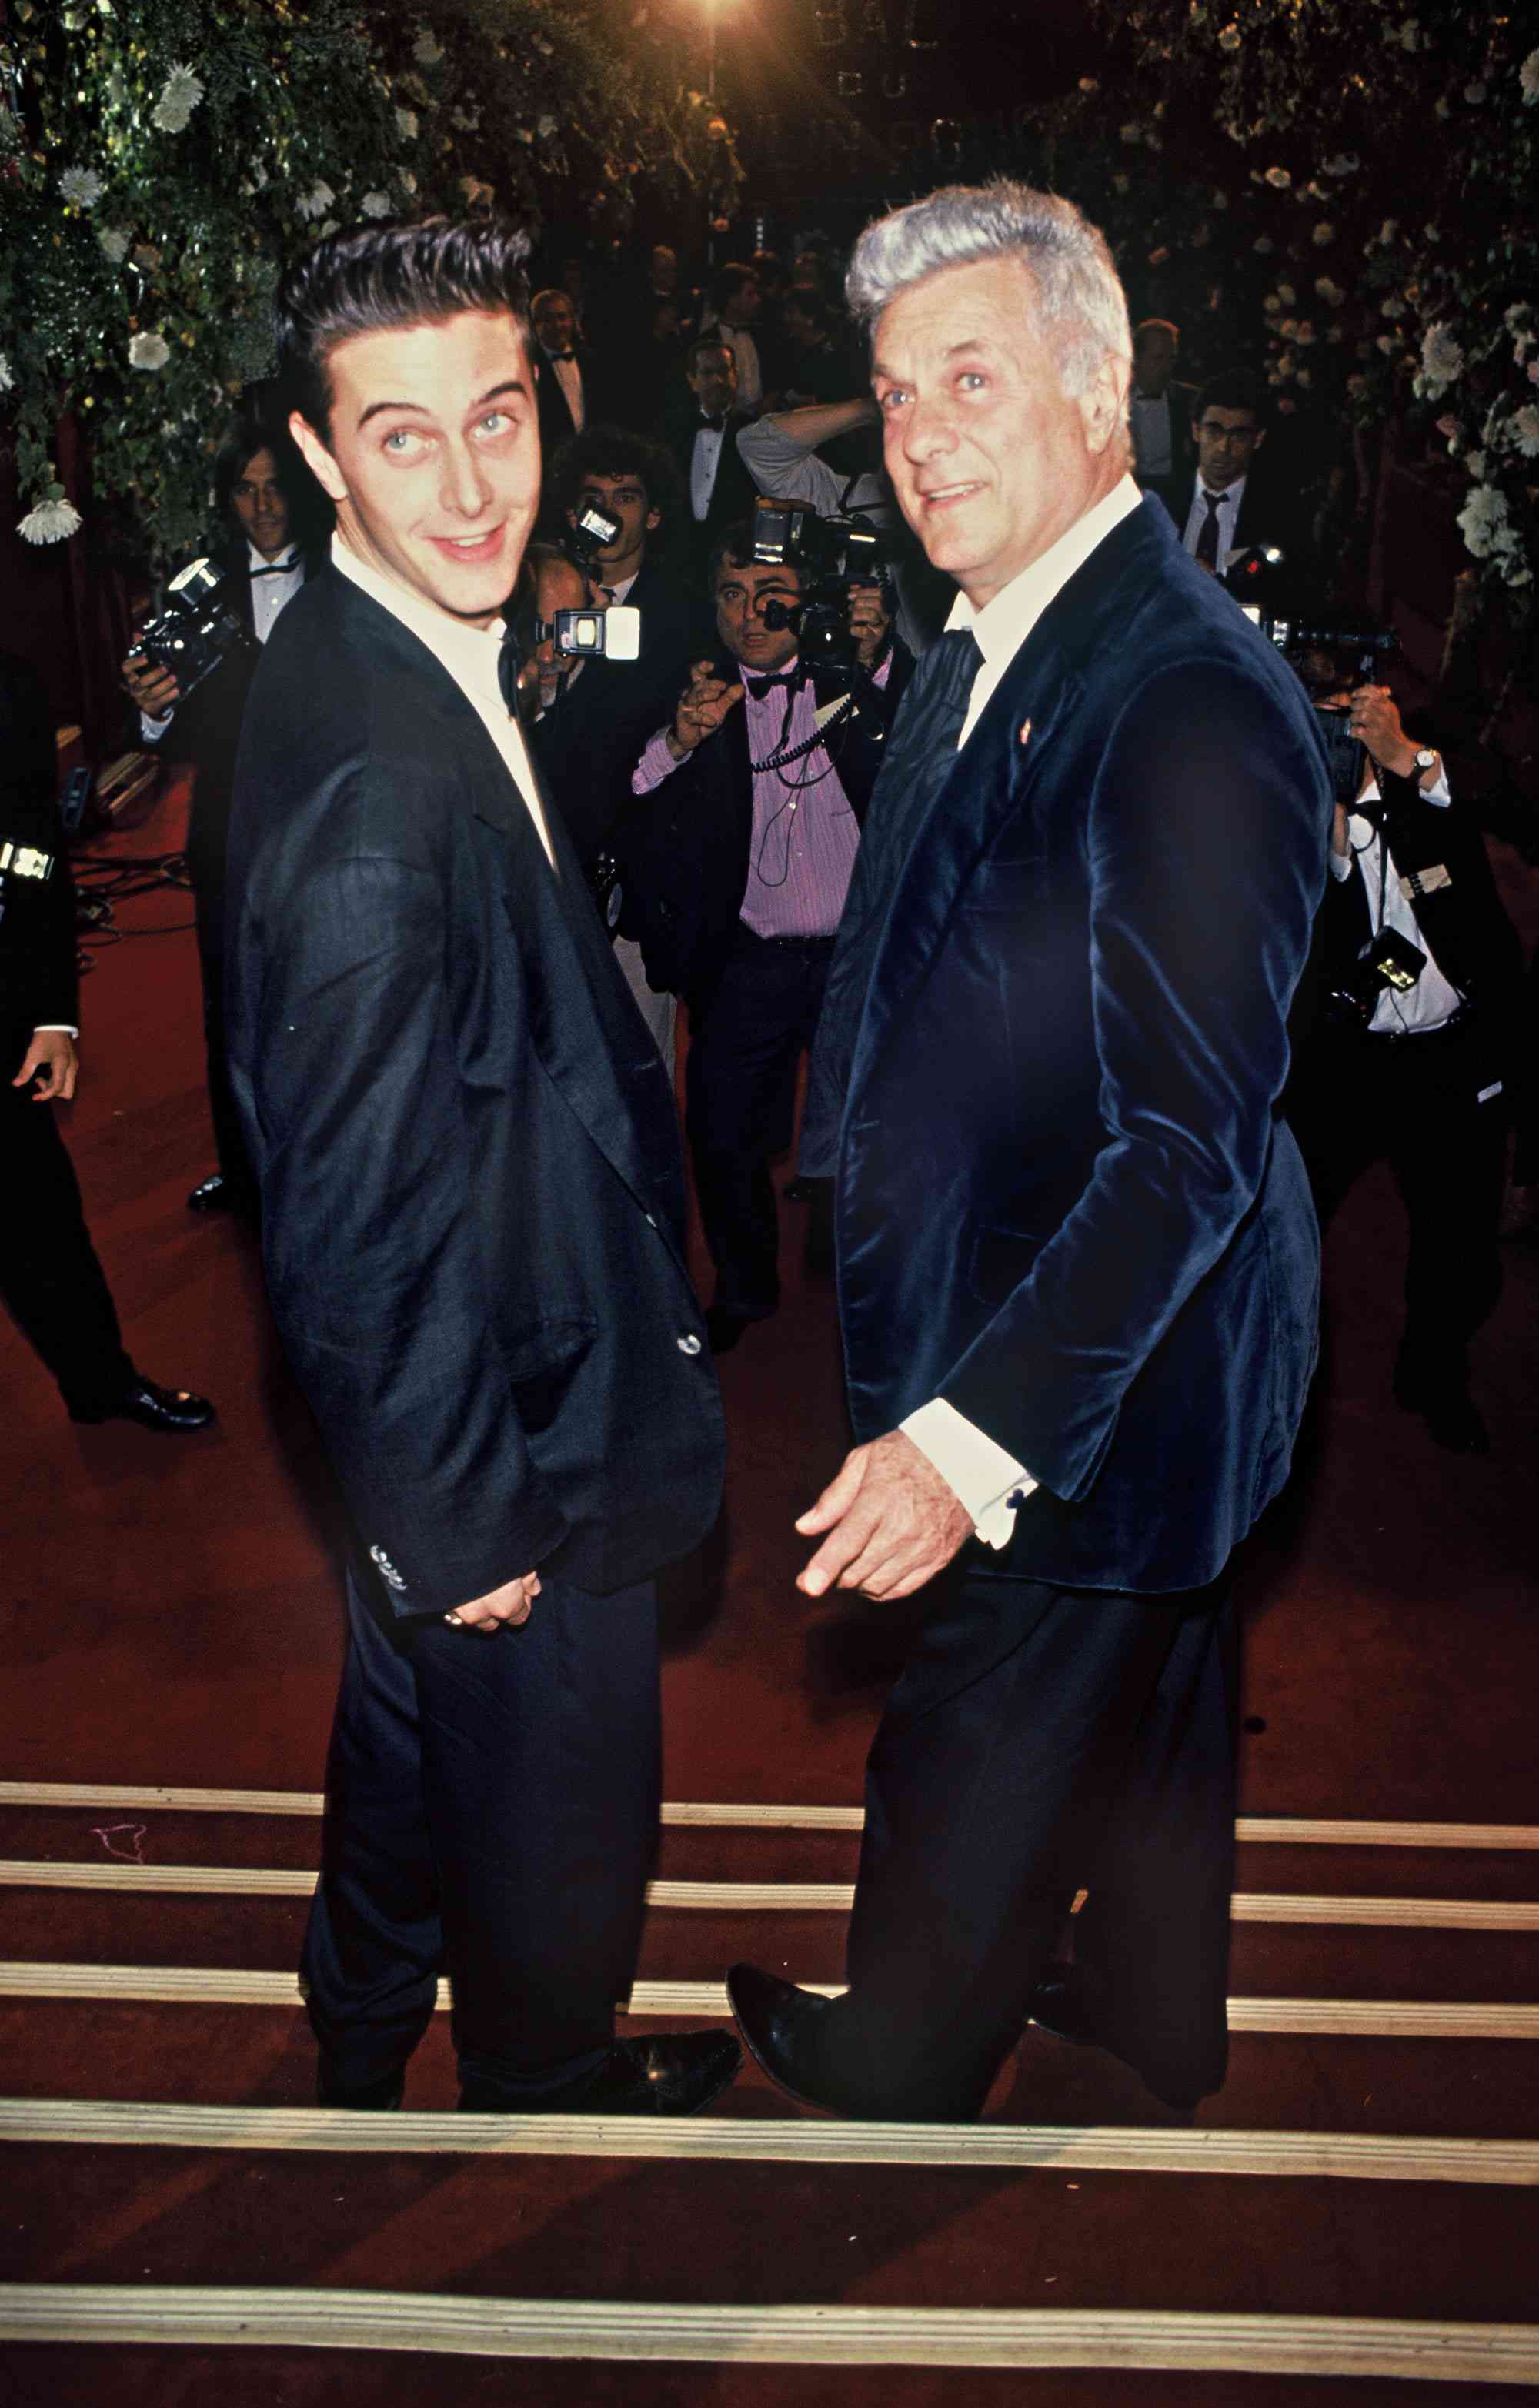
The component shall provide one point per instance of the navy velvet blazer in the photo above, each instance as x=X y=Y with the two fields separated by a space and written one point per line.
x=1065 y=1204
x=472 y=1191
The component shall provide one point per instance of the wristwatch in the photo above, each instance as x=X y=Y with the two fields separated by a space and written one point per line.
x=1424 y=759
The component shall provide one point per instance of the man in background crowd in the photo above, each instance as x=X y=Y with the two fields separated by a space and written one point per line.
x=274 y=516
x=567 y=377
x=1222 y=509
x=734 y=865
x=731 y=309
x=700 y=429
x=52 y=1281
x=1160 y=415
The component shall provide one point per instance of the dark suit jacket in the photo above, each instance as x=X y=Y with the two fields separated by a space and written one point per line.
x=588 y=745
x=1171 y=488
x=1268 y=513
x=683 y=848
x=473 y=1203
x=734 y=493
x=555 y=415
x=39 y=982
x=1064 y=1203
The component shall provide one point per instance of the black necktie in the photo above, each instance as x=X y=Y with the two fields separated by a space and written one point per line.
x=1207 y=534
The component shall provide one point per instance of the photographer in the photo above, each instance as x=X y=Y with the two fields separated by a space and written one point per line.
x=262 y=491
x=1420 y=964
x=50 y=1279
x=734 y=878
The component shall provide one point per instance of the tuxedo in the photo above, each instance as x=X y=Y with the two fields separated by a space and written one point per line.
x=473 y=1224
x=733 y=494
x=50 y=1279
x=557 y=422
x=205 y=731
x=1066 y=1209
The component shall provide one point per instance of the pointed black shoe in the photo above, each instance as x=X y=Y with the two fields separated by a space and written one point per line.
x=170 y=1410
x=777 y=2024
x=671 y=2074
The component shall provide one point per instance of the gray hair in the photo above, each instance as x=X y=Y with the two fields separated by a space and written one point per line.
x=1079 y=292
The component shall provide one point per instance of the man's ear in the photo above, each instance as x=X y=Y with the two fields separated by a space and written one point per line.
x=1104 y=403
x=318 y=461
x=654 y=520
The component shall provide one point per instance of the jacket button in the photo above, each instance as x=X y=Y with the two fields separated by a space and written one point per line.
x=689 y=1344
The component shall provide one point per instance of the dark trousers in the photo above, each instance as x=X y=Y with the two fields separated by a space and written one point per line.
x=491 y=1812
x=1415 y=1102
x=1041 y=1741
x=740 y=1098
x=50 y=1279
x=229 y=1144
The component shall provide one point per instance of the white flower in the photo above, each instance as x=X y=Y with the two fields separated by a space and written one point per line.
x=315 y=202
x=1330 y=293
x=83 y=188
x=1483 y=522
x=1272 y=303
x=1386 y=343
x=149 y=351
x=1440 y=106
x=467 y=119
x=1442 y=362
x=1476 y=463
x=1528 y=77
x=408 y=182
x=1516 y=316
x=1130 y=132
x=1391 y=307
x=1287 y=293
x=1220 y=198
x=183 y=90
x=1525 y=430
x=6 y=379
x=1325 y=232
x=1345 y=162
x=1306 y=334
x=1305 y=377
x=1120 y=184
x=547 y=128
x=1389 y=230
x=1409 y=33
x=427 y=51
x=1264 y=244
x=1432 y=233
x=375 y=205
x=114 y=241
x=1279 y=177
x=405 y=123
x=1229 y=39
x=50 y=523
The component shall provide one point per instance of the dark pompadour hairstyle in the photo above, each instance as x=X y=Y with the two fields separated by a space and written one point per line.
x=1232 y=389
x=371 y=278
x=616 y=451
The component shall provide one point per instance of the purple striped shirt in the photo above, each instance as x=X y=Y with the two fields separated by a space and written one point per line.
x=805 y=834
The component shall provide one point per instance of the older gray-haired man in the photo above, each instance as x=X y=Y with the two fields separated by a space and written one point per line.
x=1077 y=1261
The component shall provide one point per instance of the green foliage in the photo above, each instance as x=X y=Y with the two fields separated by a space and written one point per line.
x=161 y=161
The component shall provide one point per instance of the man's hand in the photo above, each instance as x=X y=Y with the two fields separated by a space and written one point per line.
x=1375 y=723
x=869 y=623
x=508 y=1604
x=154 y=690
x=893 y=1523
x=52 y=1052
x=702 y=707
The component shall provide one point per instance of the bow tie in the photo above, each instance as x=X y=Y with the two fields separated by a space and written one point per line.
x=714 y=424
x=277 y=568
x=759 y=686
x=560 y=355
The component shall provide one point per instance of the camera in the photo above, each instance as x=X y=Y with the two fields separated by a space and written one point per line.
x=1331 y=659
x=612 y=634
x=829 y=555
x=199 y=628
x=592 y=531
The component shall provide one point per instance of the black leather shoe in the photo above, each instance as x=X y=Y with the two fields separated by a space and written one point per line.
x=380 y=2095
x=153 y=1408
x=670 y=2073
x=777 y=2021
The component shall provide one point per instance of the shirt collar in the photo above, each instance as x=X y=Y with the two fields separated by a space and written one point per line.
x=261 y=565
x=1002 y=626
x=1232 y=494
x=468 y=654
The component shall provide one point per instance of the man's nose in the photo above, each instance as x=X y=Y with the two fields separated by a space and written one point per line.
x=927 y=429
x=465 y=489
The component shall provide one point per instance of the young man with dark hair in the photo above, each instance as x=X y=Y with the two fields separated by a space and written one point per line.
x=274 y=521
x=473 y=1224
x=1220 y=511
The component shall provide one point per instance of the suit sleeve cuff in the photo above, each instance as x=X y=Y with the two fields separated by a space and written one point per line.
x=990 y=1483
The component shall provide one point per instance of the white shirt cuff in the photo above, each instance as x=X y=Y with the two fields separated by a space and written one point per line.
x=151 y=730
x=54 y=1028
x=990 y=1483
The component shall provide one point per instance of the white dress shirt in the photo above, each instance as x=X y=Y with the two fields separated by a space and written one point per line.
x=705 y=460
x=470 y=655
x=1149 y=421
x=982 y=1474
x=1228 y=510
x=272 y=587
x=1432 y=1000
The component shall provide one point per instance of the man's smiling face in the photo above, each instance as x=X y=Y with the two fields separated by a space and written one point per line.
x=433 y=457
x=989 y=458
